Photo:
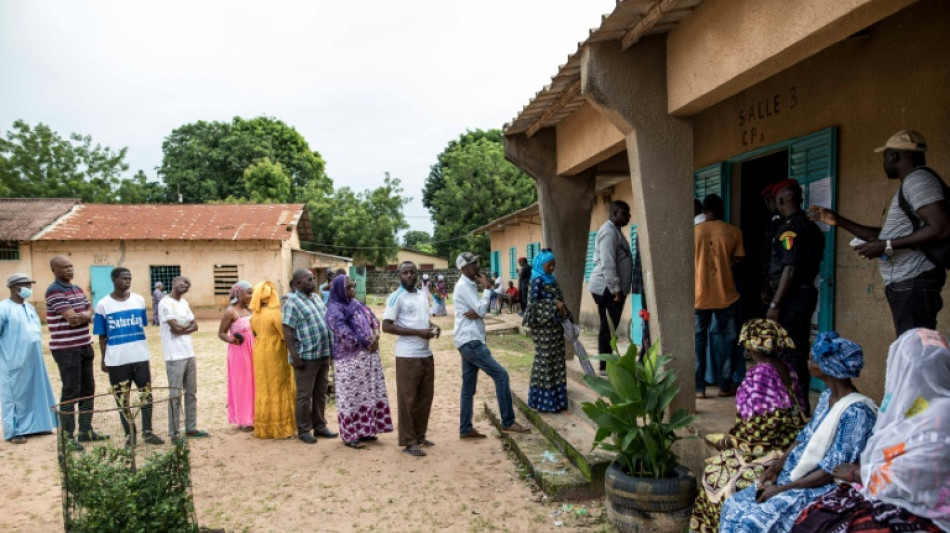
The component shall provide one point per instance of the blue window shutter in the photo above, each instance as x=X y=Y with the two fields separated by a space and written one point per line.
x=513 y=263
x=712 y=180
x=533 y=249
x=589 y=264
x=636 y=299
x=495 y=262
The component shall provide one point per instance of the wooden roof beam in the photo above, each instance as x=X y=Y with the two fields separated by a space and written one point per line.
x=566 y=96
x=648 y=21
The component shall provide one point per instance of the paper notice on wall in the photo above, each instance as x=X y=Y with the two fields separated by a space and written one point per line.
x=819 y=193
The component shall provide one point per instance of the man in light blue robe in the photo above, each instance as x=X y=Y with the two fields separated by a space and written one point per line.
x=26 y=395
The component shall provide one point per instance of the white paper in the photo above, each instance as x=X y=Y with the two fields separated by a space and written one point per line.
x=819 y=193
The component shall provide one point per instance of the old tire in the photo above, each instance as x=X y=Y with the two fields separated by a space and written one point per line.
x=650 y=495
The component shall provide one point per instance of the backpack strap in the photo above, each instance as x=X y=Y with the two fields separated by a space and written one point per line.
x=905 y=205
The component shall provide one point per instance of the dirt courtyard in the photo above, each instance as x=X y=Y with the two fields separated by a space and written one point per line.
x=244 y=484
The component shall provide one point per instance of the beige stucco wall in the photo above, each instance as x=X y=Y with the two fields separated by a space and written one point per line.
x=257 y=261
x=870 y=87
x=726 y=46
x=24 y=265
x=518 y=236
x=584 y=139
x=438 y=263
x=599 y=215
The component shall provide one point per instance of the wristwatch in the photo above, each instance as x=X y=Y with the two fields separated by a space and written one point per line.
x=773 y=305
x=888 y=249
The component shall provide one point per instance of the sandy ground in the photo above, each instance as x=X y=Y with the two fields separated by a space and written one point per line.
x=245 y=484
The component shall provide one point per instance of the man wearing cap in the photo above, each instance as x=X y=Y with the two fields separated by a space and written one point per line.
x=912 y=283
x=26 y=395
x=797 y=250
x=470 y=311
x=69 y=313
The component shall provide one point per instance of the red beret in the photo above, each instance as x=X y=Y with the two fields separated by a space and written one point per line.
x=786 y=184
x=767 y=191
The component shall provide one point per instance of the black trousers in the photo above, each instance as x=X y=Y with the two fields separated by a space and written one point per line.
x=795 y=316
x=915 y=302
x=76 y=373
x=122 y=377
x=607 y=307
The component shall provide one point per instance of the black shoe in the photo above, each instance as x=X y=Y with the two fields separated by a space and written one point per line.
x=152 y=438
x=91 y=436
x=325 y=433
x=307 y=437
x=73 y=445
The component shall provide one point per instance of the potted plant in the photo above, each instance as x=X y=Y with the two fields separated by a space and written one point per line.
x=646 y=488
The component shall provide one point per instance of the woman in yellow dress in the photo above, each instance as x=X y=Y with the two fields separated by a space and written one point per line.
x=273 y=376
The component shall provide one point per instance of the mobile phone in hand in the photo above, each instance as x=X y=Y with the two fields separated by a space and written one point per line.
x=239 y=337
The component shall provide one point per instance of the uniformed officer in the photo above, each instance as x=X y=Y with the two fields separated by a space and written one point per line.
x=797 y=250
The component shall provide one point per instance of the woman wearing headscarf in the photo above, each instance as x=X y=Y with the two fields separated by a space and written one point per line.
x=903 y=480
x=547 y=391
x=835 y=435
x=274 y=390
x=439 y=297
x=361 y=403
x=235 y=329
x=425 y=287
x=769 y=405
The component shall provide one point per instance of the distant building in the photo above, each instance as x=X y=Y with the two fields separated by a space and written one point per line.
x=423 y=261
x=214 y=245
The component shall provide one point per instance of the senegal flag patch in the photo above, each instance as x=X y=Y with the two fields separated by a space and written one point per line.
x=788 y=239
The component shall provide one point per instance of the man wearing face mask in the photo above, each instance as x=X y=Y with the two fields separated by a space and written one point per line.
x=797 y=250
x=25 y=391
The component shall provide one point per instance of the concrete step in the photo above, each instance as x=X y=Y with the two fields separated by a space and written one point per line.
x=558 y=478
x=572 y=435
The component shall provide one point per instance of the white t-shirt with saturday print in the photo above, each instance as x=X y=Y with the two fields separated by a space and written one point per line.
x=409 y=310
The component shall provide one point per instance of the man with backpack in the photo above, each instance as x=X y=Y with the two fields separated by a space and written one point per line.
x=913 y=244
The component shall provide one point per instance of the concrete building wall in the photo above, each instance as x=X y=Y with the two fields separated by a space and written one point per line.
x=8 y=268
x=518 y=236
x=584 y=139
x=438 y=263
x=869 y=87
x=256 y=260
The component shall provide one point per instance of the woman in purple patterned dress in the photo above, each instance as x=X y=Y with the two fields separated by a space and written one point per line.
x=769 y=405
x=361 y=402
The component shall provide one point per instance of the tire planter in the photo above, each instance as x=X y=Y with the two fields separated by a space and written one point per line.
x=637 y=504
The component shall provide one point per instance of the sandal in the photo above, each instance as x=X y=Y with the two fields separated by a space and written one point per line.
x=371 y=438
x=414 y=451
x=427 y=443
x=197 y=434
x=19 y=439
x=356 y=445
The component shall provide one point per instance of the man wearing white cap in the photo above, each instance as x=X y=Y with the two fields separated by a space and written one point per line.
x=26 y=395
x=470 y=311
x=917 y=216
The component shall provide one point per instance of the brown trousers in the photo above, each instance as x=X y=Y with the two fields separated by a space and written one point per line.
x=415 y=386
x=312 y=383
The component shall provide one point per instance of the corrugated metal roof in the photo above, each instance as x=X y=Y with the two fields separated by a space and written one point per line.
x=22 y=218
x=241 y=222
x=629 y=21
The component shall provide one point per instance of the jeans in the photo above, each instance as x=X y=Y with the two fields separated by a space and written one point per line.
x=722 y=339
x=915 y=302
x=475 y=356
x=76 y=373
x=795 y=316
x=312 y=383
x=607 y=306
x=182 y=374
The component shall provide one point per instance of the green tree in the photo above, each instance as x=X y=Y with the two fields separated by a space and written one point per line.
x=361 y=225
x=36 y=162
x=204 y=161
x=265 y=182
x=139 y=190
x=415 y=238
x=470 y=185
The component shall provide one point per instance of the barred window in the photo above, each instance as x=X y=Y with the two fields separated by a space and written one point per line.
x=9 y=251
x=164 y=274
x=225 y=276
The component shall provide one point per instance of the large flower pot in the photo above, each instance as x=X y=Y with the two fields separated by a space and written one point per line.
x=637 y=504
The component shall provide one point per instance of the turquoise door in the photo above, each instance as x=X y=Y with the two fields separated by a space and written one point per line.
x=358 y=274
x=636 y=299
x=101 y=280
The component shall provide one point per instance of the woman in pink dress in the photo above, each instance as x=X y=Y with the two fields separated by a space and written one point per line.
x=235 y=330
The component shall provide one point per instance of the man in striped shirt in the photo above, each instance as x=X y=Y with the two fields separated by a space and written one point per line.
x=69 y=314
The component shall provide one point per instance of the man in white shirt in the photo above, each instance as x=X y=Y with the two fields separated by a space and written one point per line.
x=120 y=322
x=470 y=311
x=407 y=316
x=612 y=277
x=177 y=324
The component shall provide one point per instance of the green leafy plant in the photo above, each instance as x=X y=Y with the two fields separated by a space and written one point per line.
x=631 y=412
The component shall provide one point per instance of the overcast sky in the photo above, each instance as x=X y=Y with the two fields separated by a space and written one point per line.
x=373 y=86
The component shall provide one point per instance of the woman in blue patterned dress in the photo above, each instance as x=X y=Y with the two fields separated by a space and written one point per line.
x=836 y=434
x=548 y=386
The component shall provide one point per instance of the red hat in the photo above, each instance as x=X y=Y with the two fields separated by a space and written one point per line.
x=786 y=184
x=767 y=191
